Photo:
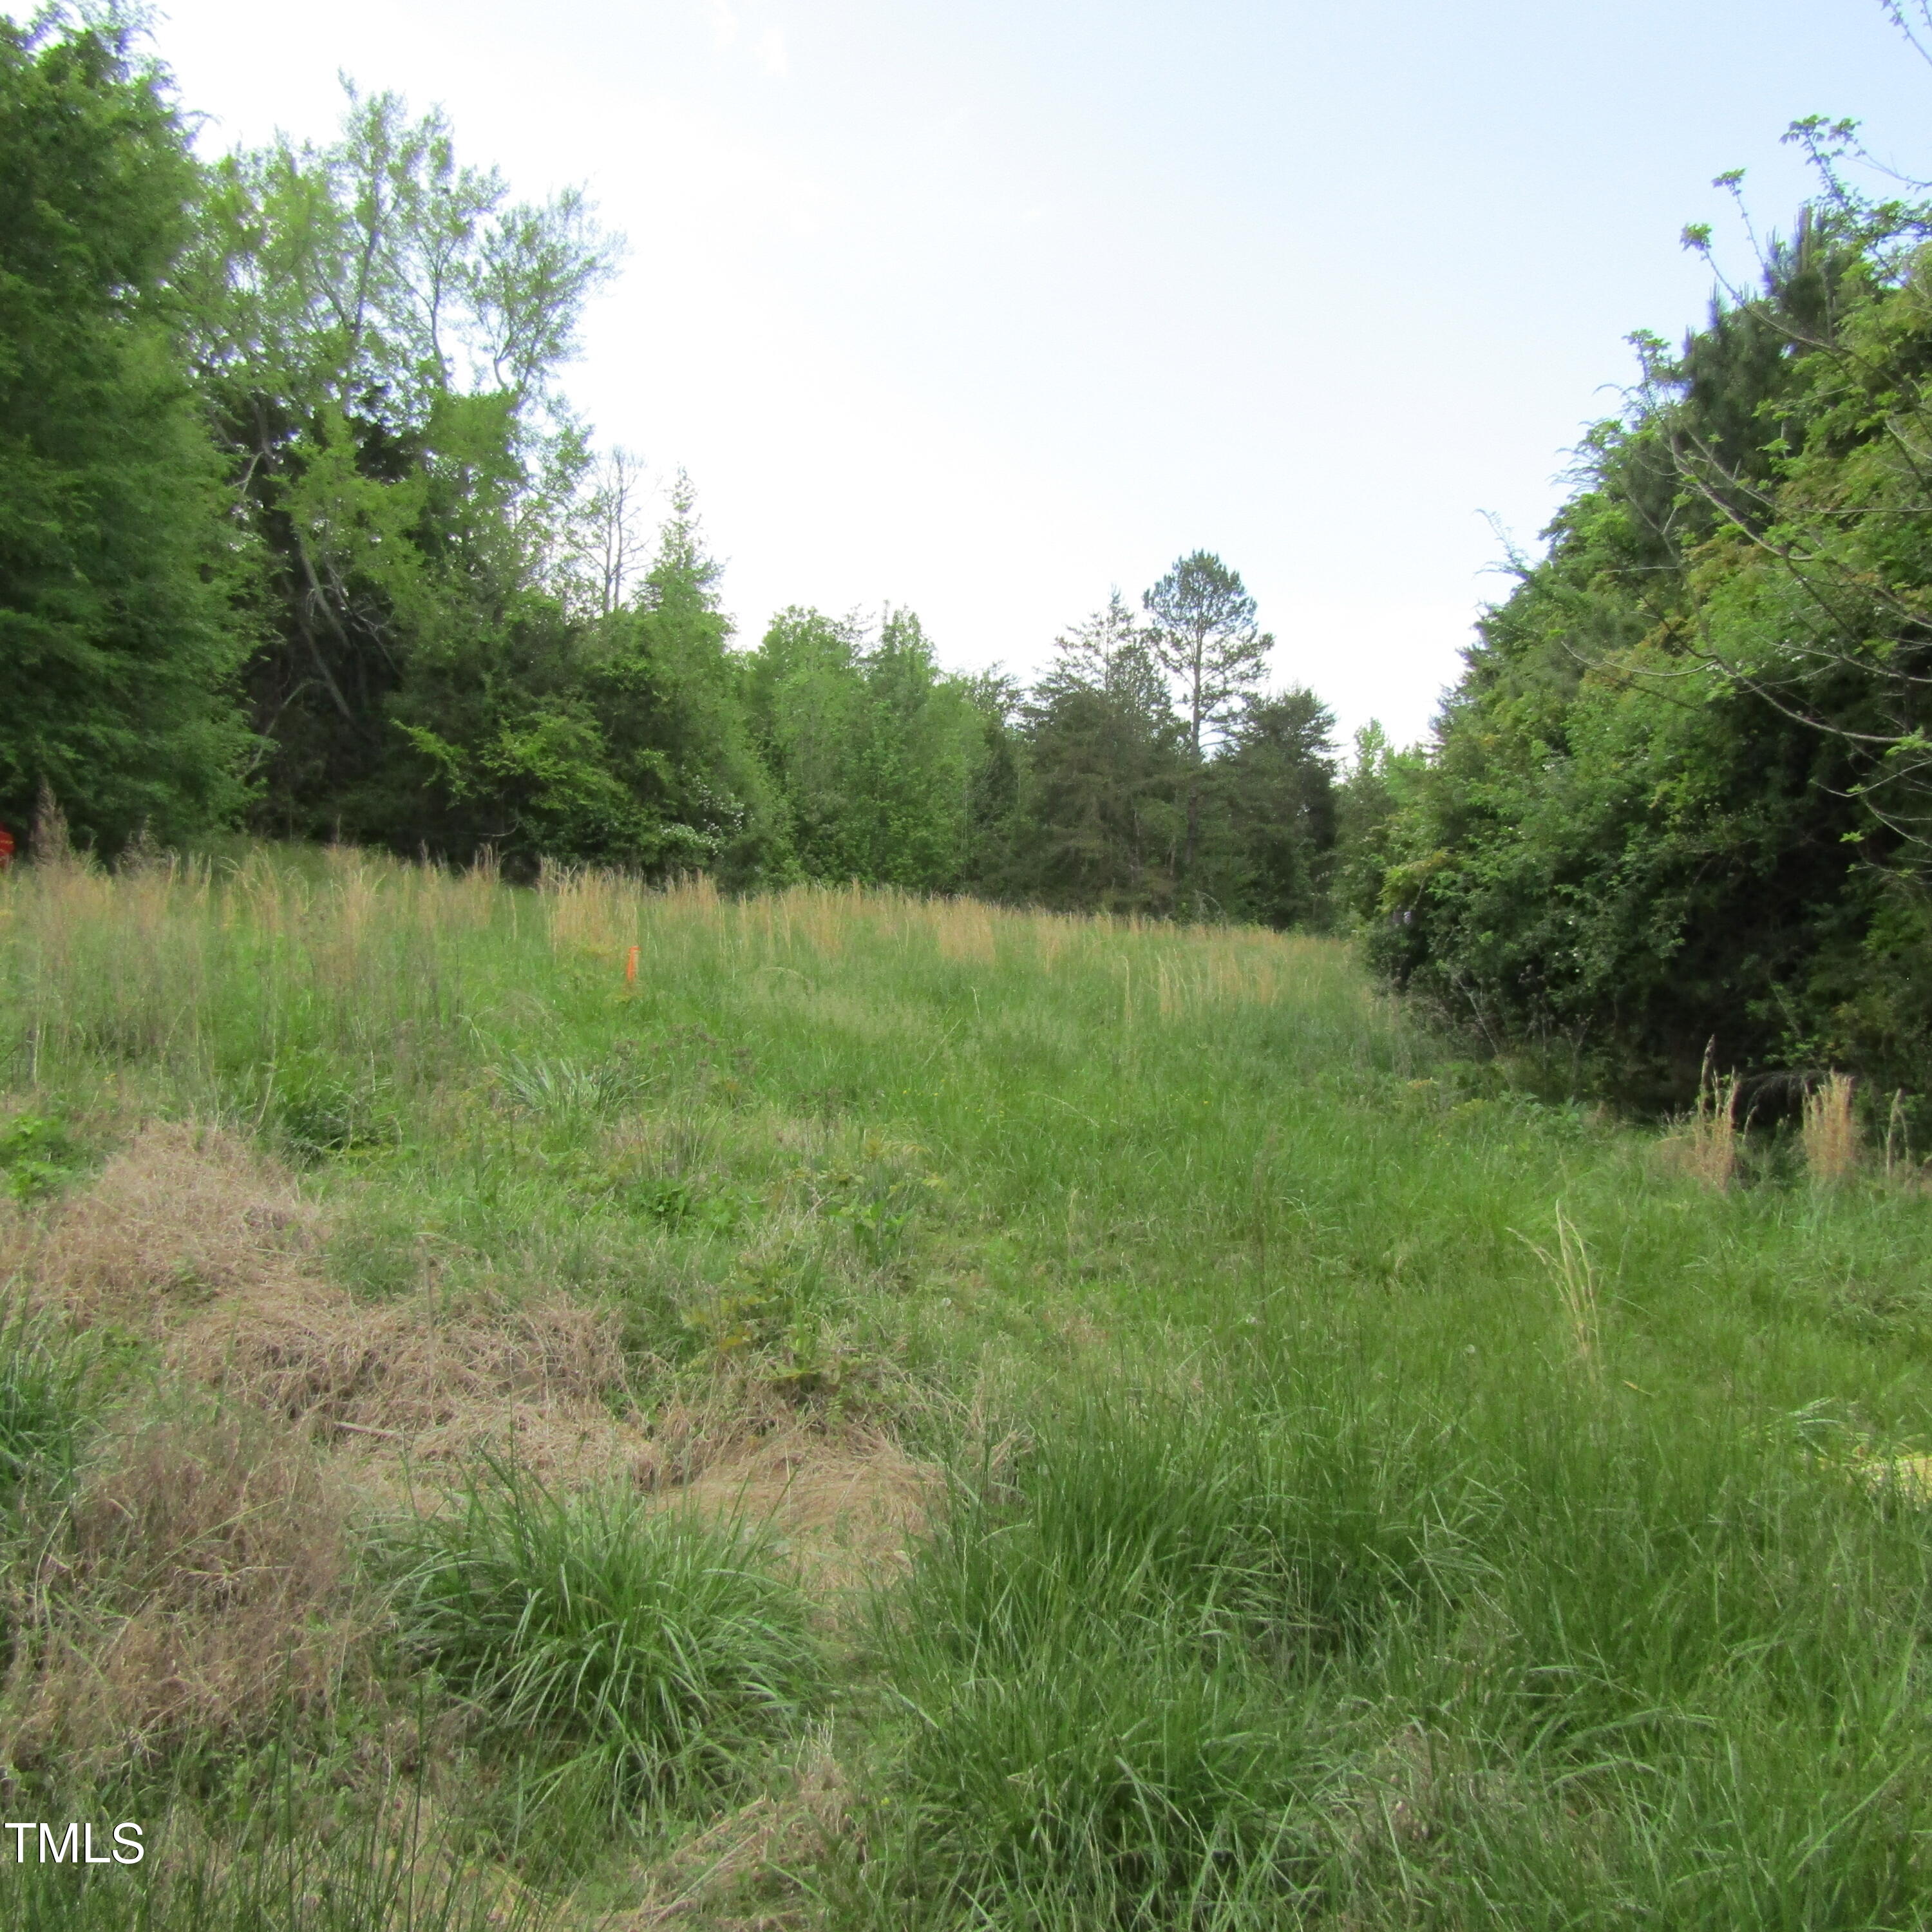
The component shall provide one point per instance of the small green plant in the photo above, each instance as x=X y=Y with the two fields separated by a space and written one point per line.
x=38 y=1155
x=564 y=1087
x=663 y=1644
x=319 y=1110
x=677 y=1203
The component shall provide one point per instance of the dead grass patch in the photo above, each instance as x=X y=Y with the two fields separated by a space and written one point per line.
x=201 y=1584
x=181 y=1213
x=189 y=1236
x=848 y=1506
x=422 y=1370
x=736 y=1874
x=1703 y=1143
x=1829 y=1131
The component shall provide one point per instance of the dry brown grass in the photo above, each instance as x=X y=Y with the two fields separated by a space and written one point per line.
x=963 y=929
x=1830 y=1132
x=426 y=1376
x=180 y=1214
x=202 y=1585
x=736 y=1874
x=1703 y=1144
x=1574 y=1275
x=849 y=1506
x=189 y=1236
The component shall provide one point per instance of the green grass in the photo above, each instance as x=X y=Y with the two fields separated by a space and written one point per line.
x=44 y=1385
x=662 y=1644
x=1375 y=1496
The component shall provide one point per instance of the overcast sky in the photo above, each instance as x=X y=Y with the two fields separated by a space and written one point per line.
x=987 y=307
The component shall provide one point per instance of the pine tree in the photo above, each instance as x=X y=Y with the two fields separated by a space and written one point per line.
x=1205 y=635
x=1106 y=756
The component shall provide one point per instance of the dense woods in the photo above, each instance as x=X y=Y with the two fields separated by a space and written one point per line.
x=300 y=535
x=303 y=535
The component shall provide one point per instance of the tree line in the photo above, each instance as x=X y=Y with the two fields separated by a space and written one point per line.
x=299 y=532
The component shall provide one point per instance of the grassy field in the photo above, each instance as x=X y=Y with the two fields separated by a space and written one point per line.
x=591 y=1407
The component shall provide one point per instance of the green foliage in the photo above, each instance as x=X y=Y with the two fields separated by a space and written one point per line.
x=455 y=648
x=38 y=1155
x=1293 y=1553
x=44 y=1377
x=1679 y=799
x=1271 y=808
x=380 y=330
x=121 y=577
x=1102 y=817
x=876 y=752
x=1204 y=634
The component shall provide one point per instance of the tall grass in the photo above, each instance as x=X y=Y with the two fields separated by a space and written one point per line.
x=380 y=1872
x=1373 y=1496
x=1829 y=1130
x=1274 y=1657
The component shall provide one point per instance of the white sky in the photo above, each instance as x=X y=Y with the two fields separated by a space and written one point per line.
x=986 y=307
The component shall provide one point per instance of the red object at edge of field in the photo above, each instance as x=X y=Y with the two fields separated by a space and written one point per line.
x=6 y=848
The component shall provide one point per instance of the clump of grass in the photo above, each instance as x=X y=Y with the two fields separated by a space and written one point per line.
x=1114 y=1776
x=560 y=1086
x=198 y=1590
x=1573 y=1275
x=1829 y=1131
x=662 y=1644
x=1704 y=1144
x=44 y=1374
x=1112 y=1661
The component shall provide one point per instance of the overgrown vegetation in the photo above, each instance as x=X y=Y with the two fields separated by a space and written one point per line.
x=306 y=537
x=902 y=1413
x=1679 y=799
x=651 y=1367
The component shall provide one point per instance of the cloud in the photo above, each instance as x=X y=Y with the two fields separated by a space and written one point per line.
x=771 y=52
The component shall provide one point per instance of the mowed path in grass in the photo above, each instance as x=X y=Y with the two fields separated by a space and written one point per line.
x=1320 y=1483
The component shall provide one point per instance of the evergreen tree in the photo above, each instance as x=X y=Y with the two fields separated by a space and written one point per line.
x=122 y=581
x=1106 y=763
x=1271 y=812
x=1205 y=635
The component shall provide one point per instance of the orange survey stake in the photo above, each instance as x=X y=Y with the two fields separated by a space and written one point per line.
x=630 y=968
